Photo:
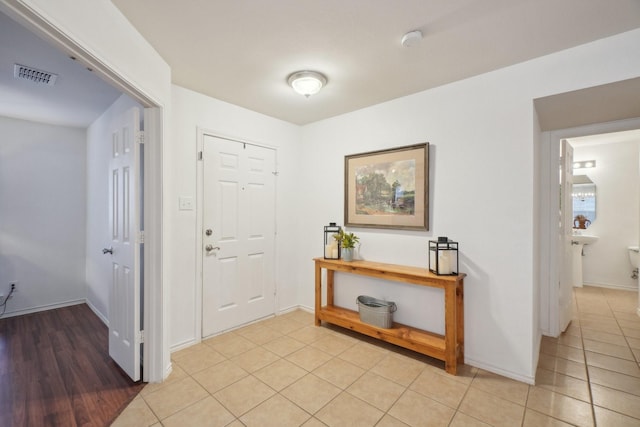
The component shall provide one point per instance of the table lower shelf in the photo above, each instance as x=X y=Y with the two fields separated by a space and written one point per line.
x=424 y=342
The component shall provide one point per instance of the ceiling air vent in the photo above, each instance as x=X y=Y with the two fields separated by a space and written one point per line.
x=33 y=74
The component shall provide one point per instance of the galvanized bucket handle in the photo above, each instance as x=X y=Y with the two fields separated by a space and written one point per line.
x=393 y=305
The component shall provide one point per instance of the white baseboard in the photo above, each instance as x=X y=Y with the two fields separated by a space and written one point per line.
x=167 y=372
x=286 y=310
x=44 y=308
x=194 y=341
x=98 y=313
x=612 y=286
x=183 y=345
x=311 y=310
x=294 y=308
x=499 y=371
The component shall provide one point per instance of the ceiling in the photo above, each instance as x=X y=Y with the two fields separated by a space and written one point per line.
x=606 y=138
x=242 y=51
x=77 y=98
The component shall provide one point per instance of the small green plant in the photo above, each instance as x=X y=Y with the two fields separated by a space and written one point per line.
x=346 y=240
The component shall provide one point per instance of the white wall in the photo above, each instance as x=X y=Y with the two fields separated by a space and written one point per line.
x=483 y=195
x=606 y=263
x=98 y=266
x=42 y=211
x=473 y=126
x=190 y=112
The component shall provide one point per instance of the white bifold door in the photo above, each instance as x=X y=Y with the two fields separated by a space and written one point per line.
x=238 y=234
x=124 y=208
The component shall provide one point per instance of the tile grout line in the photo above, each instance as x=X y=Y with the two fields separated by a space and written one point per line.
x=464 y=395
x=311 y=415
x=384 y=413
x=526 y=402
x=584 y=355
x=635 y=358
x=625 y=339
x=604 y=296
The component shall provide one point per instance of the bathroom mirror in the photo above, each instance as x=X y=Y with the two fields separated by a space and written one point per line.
x=584 y=201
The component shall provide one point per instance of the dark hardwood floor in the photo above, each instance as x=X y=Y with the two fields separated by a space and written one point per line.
x=55 y=370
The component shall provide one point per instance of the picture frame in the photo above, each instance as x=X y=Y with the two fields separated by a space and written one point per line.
x=388 y=188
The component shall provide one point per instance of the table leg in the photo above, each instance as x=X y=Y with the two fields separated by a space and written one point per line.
x=330 y=287
x=318 y=293
x=460 y=321
x=450 y=329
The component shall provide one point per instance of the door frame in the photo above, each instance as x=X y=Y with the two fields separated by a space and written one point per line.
x=155 y=346
x=201 y=132
x=564 y=243
x=549 y=206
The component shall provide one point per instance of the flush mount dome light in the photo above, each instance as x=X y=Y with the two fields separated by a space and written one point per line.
x=307 y=83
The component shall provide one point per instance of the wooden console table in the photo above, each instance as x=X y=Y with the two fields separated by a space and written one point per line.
x=449 y=348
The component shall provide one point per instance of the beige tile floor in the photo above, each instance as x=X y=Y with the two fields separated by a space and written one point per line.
x=286 y=372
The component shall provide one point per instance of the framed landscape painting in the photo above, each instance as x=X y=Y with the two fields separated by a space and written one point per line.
x=388 y=188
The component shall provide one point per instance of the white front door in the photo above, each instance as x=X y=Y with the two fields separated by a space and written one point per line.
x=565 y=294
x=124 y=207
x=238 y=266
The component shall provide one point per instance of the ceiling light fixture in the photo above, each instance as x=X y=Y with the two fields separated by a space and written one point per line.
x=307 y=83
x=586 y=164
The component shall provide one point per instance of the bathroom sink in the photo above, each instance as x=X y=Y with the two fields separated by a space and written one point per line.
x=584 y=239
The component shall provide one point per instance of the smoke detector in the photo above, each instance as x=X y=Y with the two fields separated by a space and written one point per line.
x=411 y=38
x=23 y=72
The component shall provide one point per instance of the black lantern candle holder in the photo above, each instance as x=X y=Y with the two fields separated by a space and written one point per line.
x=331 y=245
x=443 y=257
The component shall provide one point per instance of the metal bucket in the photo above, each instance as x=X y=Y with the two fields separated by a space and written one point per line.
x=375 y=311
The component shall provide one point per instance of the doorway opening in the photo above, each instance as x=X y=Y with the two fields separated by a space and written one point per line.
x=156 y=356
x=552 y=262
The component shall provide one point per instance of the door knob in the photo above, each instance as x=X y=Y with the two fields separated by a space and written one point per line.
x=107 y=251
x=210 y=248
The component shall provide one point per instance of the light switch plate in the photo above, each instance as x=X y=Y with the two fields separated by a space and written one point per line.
x=186 y=203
